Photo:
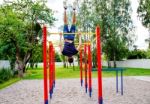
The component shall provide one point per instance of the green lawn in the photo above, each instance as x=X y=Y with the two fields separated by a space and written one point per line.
x=9 y=82
x=69 y=73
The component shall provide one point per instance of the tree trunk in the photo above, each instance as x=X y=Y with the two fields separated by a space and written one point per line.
x=108 y=63
x=73 y=66
x=20 y=68
x=115 y=60
x=22 y=63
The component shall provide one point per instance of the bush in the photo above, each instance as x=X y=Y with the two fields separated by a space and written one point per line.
x=5 y=74
x=148 y=53
x=137 y=54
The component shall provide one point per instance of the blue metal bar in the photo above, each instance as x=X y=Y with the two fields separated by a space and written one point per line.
x=121 y=82
x=46 y=102
x=86 y=88
x=117 y=81
x=90 y=92
x=51 y=93
x=54 y=84
x=100 y=101
x=81 y=82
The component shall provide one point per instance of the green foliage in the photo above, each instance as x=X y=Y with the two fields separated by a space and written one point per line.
x=8 y=83
x=137 y=54
x=148 y=53
x=20 y=28
x=114 y=18
x=69 y=73
x=5 y=74
x=144 y=12
x=58 y=57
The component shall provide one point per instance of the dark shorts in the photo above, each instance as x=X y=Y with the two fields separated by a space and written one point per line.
x=72 y=30
x=69 y=49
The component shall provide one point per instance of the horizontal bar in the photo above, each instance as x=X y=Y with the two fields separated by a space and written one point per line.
x=74 y=43
x=82 y=33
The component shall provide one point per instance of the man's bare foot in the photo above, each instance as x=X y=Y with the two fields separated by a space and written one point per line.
x=65 y=5
x=74 y=5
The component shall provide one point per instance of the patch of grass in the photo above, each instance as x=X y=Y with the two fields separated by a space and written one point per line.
x=70 y=73
x=9 y=82
x=137 y=72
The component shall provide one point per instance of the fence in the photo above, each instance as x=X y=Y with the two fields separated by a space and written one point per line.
x=134 y=63
x=4 y=64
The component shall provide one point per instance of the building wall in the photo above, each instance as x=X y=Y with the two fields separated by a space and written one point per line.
x=4 y=64
x=134 y=63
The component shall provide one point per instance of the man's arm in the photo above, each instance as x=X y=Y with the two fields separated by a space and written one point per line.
x=60 y=43
x=74 y=17
x=80 y=42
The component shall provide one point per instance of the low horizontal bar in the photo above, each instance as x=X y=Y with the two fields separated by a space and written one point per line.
x=82 y=33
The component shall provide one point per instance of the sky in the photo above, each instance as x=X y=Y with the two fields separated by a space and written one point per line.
x=140 y=31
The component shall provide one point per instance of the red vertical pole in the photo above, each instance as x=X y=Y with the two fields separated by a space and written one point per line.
x=54 y=68
x=45 y=65
x=50 y=69
x=85 y=54
x=98 y=43
x=90 y=69
x=81 y=76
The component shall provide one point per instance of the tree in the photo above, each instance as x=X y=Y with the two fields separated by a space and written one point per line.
x=20 y=27
x=144 y=15
x=144 y=12
x=115 y=22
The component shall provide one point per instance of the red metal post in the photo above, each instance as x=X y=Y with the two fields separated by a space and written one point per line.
x=45 y=65
x=85 y=69
x=99 y=64
x=81 y=76
x=50 y=69
x=54 y=68
x=90 y=69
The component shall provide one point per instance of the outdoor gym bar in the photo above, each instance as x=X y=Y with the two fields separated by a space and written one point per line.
x=82 y=33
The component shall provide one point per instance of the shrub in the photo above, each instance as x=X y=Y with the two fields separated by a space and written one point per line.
x=5 y=74
x=148 y=53
x=137 y=54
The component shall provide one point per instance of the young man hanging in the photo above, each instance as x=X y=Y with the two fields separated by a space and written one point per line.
x=69 y=48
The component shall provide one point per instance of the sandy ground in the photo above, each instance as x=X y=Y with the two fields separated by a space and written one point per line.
x=69 y=91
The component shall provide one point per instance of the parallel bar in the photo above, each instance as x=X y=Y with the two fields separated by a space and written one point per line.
x=45 y=65
x=90 y=69
x=99 y=64
x=82 y=33
x=81 y=74
x=50 y=69
x=85 y=55
x=116 y=80
x=122 y=82
x=54 y=70
x=56 y=44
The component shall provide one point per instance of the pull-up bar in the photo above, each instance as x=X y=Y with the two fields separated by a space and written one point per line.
x=76 y=33
x=99 y=69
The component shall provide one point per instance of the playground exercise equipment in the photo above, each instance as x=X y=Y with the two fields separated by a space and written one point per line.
x=117 y=70
x=88 y=67
x=76 y=33
x=48 y=64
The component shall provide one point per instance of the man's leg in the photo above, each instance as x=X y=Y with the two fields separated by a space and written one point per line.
x=65 y=15
x=74 y=17
x=74 y=13
x=66 y=29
